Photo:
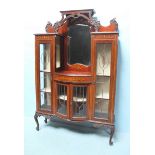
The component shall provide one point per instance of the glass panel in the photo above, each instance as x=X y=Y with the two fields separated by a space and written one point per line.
x=58 y=56
x=62 y=99
x=79 y=44
x=45 y=77
x=103 y=58
x=102 y=97
x=45 y=82
x=101 y=108
x=45 y=57
x=102 y=87
x=45 y=101
x=79 y=101
x=103 y=62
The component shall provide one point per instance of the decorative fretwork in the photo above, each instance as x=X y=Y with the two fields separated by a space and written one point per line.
x=75 y=18
x=49 y=26
x=113 y=21
x=95 y=23
x=81 y=17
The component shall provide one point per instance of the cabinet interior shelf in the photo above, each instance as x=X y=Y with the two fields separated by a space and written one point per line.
x=99 y=98
x=45 y=70
x=102 y=99
x=47 y=90
x=103 y=75
x=104 y=96
x=62 y=97
x=75 y=99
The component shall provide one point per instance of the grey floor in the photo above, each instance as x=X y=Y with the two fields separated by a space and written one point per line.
x=59 y=138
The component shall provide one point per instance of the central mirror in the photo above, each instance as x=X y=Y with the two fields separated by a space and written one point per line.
x=78 y=42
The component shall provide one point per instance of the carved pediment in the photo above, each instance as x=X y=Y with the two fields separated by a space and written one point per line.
x=85 y=17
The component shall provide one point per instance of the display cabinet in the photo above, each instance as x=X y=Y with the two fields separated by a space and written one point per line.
x=75 y=70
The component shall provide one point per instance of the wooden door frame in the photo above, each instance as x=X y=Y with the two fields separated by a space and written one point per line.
x=43 y=40
x=87 y=103
x=106 y=38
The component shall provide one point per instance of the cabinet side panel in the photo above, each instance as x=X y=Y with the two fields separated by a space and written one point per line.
x=44 y=67
x=113 y=78
x=37 y=84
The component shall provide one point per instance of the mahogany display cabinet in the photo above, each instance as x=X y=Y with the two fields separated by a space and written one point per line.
x=75 y=70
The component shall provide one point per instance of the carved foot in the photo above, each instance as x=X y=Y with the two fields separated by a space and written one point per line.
x=111 y=135
x=45 y=120
x=36 y=120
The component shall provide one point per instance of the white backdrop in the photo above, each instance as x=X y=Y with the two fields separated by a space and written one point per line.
x=35 y=13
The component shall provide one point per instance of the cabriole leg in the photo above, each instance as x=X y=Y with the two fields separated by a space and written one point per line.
x=36 y=120
x=45 y=120
x=112 y=129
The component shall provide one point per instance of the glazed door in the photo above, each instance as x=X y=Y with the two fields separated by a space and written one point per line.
x=103 y=104
x=44 y=76
x=62 y=100
x=79 y=102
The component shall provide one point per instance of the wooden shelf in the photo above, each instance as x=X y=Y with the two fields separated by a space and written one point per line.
x=103 y=96
x=45 y=70
x=46 y=90
x=63 y=97
x=75 y=99
x=79 y=99
x=103 y=75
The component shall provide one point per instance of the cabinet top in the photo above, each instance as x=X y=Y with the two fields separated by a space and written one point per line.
x=84 y=17
x=87 y=12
